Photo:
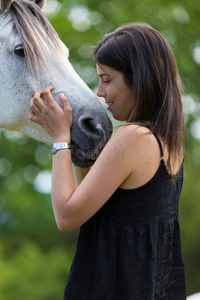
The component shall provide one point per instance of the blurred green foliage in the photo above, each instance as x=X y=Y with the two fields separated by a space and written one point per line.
x=34 y=256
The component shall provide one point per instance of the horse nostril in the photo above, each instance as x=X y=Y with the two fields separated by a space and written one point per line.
x=90 y=128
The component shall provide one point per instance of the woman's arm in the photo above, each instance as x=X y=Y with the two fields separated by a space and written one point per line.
x=74 y=206
x=79 y=174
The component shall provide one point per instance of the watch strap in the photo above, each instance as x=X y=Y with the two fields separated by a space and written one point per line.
x=59 y=146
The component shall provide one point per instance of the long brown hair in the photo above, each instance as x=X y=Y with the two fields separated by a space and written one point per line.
x=149 y=67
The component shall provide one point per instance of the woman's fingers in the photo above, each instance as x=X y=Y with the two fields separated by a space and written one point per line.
x=36 y=103
x=65 y=102
x=47 y=95
x=37 y=106
x=34 y=106
x=46 y=112
x=33 y=117
x=67 y=109
x=38 y=94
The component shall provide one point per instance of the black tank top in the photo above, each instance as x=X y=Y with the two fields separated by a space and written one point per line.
x=131 y=248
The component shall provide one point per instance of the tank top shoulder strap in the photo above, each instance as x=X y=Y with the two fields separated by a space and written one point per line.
x=160 y=145
x=158 y=140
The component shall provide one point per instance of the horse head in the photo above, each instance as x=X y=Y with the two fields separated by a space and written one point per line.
x=32 y=57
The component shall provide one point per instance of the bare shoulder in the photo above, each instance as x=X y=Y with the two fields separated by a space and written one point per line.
x=134 y=135
x=135 y=145
x=137 y=141
x=139 y=149
x=133 y=129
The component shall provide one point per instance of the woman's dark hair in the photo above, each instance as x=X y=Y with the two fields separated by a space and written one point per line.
x=145 y=58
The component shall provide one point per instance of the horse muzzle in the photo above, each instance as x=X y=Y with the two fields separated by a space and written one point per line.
x=89 y=137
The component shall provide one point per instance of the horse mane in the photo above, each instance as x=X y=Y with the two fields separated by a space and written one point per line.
x=37 y=35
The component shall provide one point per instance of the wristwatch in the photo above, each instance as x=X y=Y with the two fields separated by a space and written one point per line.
x=59 y=146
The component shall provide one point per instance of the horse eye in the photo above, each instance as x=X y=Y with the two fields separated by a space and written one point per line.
x=19 y=50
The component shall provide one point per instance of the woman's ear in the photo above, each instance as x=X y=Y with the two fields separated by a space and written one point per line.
x=40 y=3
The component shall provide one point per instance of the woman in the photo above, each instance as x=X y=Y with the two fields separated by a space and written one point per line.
x=129 y=243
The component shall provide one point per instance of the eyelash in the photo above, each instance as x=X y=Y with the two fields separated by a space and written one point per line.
x=106 y=81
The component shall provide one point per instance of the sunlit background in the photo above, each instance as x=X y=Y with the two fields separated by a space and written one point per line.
x=34 y=256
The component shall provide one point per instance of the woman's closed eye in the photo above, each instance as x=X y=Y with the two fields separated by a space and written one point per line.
x=106 y=79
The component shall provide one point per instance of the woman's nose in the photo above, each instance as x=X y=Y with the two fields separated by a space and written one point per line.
x=100 y=91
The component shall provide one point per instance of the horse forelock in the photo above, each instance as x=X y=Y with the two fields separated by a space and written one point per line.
x=37 y=34
x=4 y=5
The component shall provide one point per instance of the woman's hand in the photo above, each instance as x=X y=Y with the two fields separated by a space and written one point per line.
x=55 y=120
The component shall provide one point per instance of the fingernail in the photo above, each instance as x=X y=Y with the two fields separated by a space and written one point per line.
x=62 y=95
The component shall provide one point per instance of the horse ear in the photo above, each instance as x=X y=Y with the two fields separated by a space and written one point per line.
x=5 y=4
x=40 y=3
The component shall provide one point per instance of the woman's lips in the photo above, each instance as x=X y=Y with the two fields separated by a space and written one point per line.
x=109 y=104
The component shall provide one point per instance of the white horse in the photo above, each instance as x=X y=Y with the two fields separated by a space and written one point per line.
x=33 y=57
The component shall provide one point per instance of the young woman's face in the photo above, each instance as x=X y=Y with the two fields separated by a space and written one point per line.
x=118 y=96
